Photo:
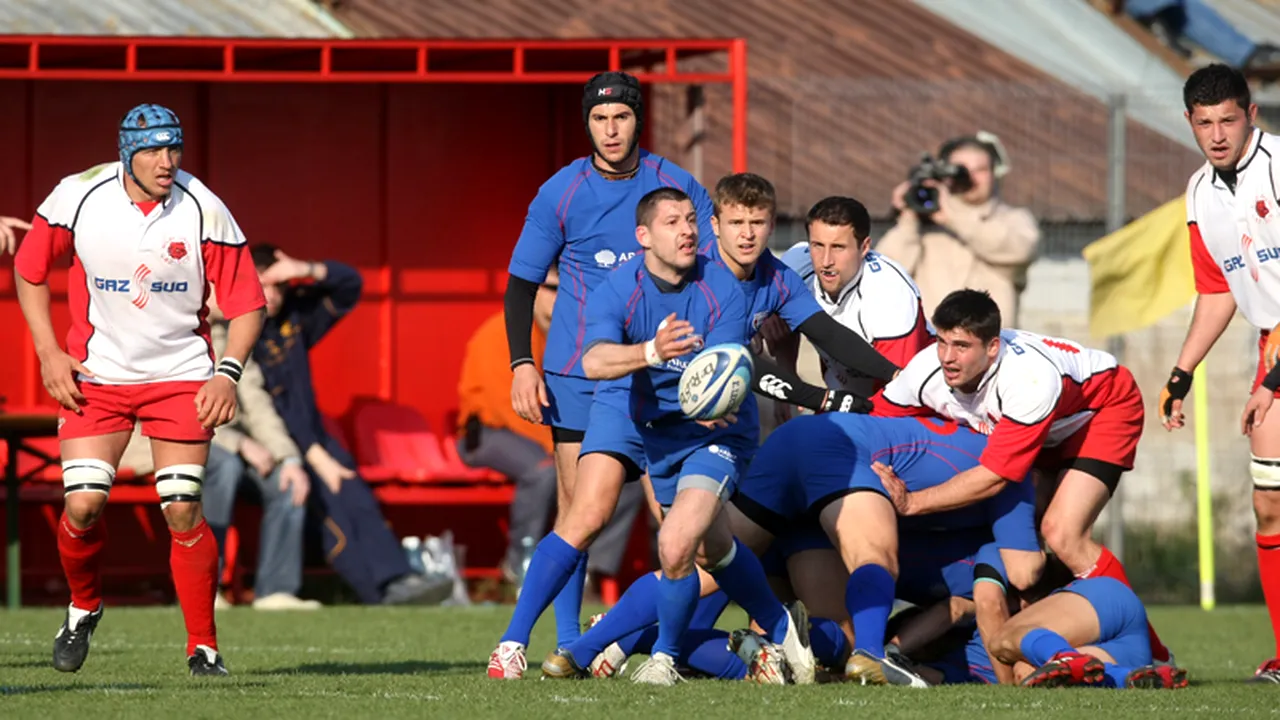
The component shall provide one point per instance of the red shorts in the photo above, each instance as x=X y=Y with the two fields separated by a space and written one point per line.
x=1262 y=363
x=167 y=411
x=1112 y=434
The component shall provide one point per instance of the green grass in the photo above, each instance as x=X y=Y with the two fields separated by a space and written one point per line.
x=354 y=662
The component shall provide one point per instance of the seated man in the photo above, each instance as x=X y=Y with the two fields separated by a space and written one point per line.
x=357 y=541
x=255 y=446
x=492 y=435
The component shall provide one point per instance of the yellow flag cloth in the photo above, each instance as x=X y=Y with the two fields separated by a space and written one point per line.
x=1140 y=273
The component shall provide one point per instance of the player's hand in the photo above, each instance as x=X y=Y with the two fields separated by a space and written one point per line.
x=285 y=269
x=58 y=372
x=528 y=393
x=1171 y=397
x=216 y=402
x=846 y=402
x=893 y=485
x=294 y=480
x=327 y=467
x=1255 y=411
x=775 y=331
x=258 y=456
x=674 y=338
x=781 y=412
x=8 y=234
x=723 y=422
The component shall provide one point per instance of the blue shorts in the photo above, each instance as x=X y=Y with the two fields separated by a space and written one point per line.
x=966 y=665
x=938 y=565
x=714 y=467
x=570 y=399
x=1122 y=619
x=613 y=432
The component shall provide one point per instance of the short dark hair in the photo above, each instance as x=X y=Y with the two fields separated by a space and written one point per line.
x=1215 y=84
x=648 y=205
x=264 y=255
x=970 y=310
x=746 y=189
x=839 y=211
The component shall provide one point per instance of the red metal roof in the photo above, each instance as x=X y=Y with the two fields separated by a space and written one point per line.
x=843 y=96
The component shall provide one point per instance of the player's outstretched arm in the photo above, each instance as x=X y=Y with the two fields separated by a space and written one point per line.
x=847 y=347
x=772 y=380
x=1212 y=315
x=973 y=485
x=991 y=611
x=9 y=238
x=528 y=391
x=608 y=360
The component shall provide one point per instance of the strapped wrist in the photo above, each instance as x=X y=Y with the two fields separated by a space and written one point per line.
x=230 y=368
x=651 y=355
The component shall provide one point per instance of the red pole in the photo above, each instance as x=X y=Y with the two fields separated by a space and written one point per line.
x=738 y=70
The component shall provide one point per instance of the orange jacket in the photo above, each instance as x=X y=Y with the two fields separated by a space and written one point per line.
x=484 y=389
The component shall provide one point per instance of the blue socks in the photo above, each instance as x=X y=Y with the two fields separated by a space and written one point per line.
x=554 y=560
x=708 y=611
x=1039 y=646
x=869 y=598
x=636 y=610
x=829 y=643
x=676 y=602
x=743 y=581
x=568 y=604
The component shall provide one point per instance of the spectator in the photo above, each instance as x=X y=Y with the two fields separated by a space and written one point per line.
x=255 y=445
x=1196 y=20
x=974 y=240
x=356 y=538
x=491 y=435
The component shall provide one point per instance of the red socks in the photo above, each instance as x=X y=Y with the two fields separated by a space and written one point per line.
x=1269 y=573
x=1109 y=566
x=81 y=553
x=193 y=560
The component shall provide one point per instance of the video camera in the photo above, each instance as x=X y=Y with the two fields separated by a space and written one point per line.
x=922 y=198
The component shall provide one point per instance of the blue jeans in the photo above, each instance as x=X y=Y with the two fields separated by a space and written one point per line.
x=1197 y=21
x=280 y=545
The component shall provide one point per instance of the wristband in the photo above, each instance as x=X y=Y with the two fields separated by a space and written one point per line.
x=522 y=361
x=231 y=368
x=291 y=460
x=651 y=355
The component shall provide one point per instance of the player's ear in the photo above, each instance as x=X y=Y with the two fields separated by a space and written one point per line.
x=642 y=236
x=715 y=223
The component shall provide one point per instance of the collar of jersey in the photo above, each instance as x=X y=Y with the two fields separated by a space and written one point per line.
x=664 y=286
x=163 y=203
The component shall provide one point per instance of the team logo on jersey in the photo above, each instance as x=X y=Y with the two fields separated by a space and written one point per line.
x=141 y=295
x=1246 y=242
x=722 y=452
x=175 y=251
x=606 y=258
x=1261 y=208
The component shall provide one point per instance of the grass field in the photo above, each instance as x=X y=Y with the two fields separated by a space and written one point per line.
x=388 y=663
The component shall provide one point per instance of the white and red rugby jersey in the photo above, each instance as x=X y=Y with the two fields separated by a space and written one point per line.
x=1235 y=237
x=882 y=305
x=1038 y=392
x=139 y=282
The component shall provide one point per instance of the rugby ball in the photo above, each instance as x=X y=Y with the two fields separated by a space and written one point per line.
x=716 y=381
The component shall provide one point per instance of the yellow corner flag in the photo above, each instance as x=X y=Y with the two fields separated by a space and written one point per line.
x=1140 y=273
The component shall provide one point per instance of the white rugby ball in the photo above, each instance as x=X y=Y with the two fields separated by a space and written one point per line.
x=716 y=381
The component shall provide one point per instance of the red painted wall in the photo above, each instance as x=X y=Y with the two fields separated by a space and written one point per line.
x=423 y=187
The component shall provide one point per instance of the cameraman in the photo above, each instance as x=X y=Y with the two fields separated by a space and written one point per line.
x=971 y=239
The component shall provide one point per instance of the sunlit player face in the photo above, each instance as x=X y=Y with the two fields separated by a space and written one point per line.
x=1222 y=131
x=155 y=169
x=965 y=358
x=837 y=255
x=613 y=130
x=671 y=239
x=743 y=233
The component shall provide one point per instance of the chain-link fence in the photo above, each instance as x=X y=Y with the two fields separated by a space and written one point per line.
x=822 y=136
